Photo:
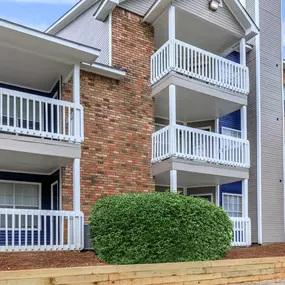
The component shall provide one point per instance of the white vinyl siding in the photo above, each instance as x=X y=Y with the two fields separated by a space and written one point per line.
x=232 y=204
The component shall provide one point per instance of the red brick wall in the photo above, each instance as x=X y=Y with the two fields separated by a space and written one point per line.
x=119 y=119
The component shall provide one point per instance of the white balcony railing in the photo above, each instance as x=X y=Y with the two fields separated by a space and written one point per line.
x=38 y=230
x=194 y=144
x=242 y=231
x=199 y=64
x=33 y=115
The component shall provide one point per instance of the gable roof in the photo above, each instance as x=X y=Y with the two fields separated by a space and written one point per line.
x=106 y=6
x=70 y=16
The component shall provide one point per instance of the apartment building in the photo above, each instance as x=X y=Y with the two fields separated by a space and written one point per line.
x=141 y=96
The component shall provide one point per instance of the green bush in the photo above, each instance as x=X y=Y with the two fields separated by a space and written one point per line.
x=159 y=227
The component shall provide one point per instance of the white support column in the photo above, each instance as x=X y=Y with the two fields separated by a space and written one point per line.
x=172 y=118
x=217 y=191
x=173 y=181
x=172 y=105
x=76 y=184
x=243 y=117
x=245 y=198
x=76 y=83
x=242 y=51
x=171 y=23
x=76 y=162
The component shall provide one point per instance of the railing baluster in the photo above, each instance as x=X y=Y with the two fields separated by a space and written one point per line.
x=34 y=115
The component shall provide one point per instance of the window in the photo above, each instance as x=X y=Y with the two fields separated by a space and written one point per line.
x=208 y=197
x=19 y=195
x=232 y=204
x=159 y=127
x=231 y=132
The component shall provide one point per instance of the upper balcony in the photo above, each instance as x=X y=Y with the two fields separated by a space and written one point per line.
x=41 y=128
x=196 y=63
x=40 y=117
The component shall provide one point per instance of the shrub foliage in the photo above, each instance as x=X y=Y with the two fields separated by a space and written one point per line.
x=158 y=227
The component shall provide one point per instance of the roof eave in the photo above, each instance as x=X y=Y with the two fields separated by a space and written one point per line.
x=104 y=70
x=156 y=10
x=70 y=16
x=78 y=51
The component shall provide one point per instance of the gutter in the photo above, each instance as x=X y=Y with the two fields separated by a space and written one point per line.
x=258 y=129
x=104 y=70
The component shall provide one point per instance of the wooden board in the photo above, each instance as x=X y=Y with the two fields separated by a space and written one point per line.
x=190 y=273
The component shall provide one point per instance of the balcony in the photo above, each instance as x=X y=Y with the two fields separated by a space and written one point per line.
x=198 y=64
x=37 y=116
x=40 y=230
x=201 y=146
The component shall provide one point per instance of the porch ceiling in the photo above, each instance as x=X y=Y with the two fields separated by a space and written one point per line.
x=35 y=60
x=196 y=31
x=195 y=174
x=35 y=155
x=195 y=100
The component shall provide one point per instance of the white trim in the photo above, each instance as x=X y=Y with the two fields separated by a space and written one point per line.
x=168 y=186
x=60 y=188
x=258 y=130
x=245 y=198
x=203 y=195
x=104 y=70
x=283 y=125
x=52 y=194
x=110 y=38
x=28 y=183
x=53 y=39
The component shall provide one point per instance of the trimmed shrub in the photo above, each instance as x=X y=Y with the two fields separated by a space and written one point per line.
x=158 y=228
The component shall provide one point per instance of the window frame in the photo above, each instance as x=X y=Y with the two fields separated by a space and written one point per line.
x=232 y=130
x=233 y=195
x=14 y=182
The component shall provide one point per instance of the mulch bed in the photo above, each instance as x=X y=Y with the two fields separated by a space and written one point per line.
x=39 y=260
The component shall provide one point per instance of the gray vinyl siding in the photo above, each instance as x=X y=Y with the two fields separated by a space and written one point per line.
x=251 y=124
x=223 y=17
x=137 y=6
x=271 y=122
x=86 y=30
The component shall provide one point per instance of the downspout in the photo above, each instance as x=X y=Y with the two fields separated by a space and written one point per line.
x=258 y=128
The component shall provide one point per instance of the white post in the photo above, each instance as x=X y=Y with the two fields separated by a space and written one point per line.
x=217 y=130
x=242 y=51
x=171 y=23
x=217 y=192
x=173 y=181
x=76 y=184
x=243 y=117
x=172 y=118
x=245 y=198
x=76 y=162
x=76 y=83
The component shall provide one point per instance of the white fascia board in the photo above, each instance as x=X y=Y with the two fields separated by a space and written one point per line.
x=104 y=9
x=42 y=38
x=104 y=70
x=70 y=16
x=244 y=19
x=156 y=10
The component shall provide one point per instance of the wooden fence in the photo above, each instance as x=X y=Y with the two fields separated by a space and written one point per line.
x=192 y=273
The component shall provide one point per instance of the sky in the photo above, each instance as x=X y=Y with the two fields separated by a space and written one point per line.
x=37 y=14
